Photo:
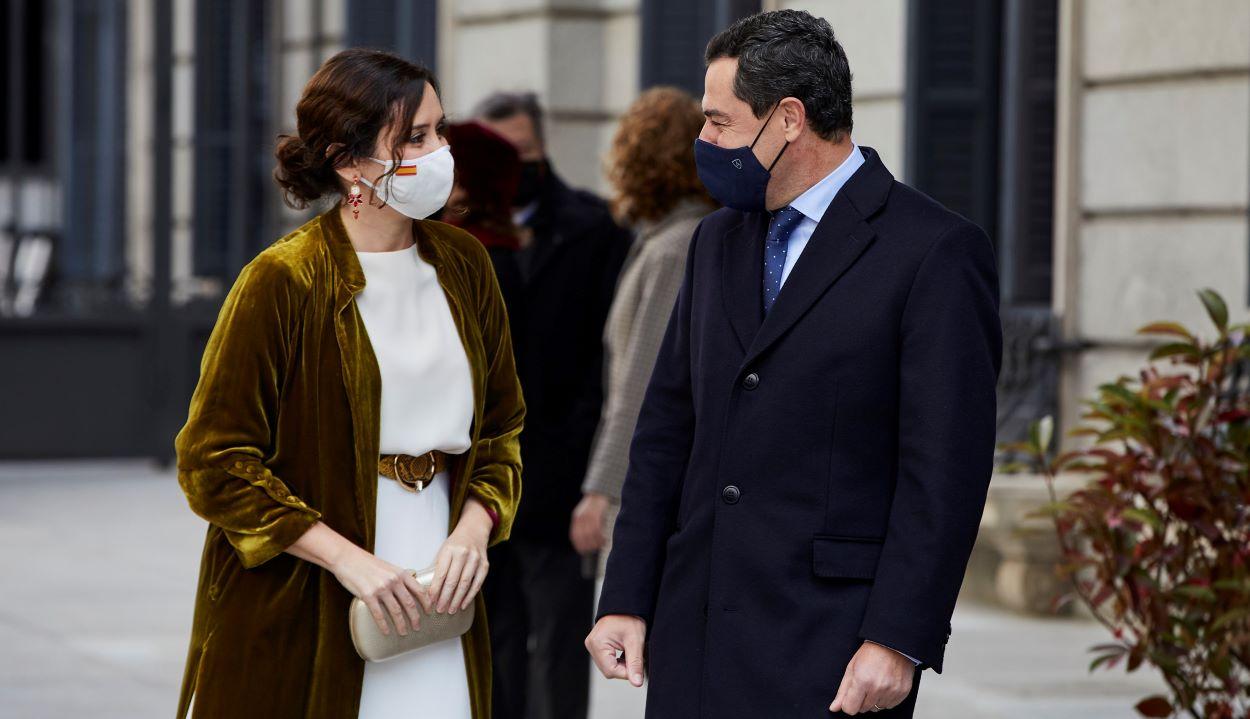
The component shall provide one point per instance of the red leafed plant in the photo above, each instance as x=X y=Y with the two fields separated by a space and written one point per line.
x=1157 y=543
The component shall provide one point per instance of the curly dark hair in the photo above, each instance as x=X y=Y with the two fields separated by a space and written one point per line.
x=345 y=106
x=651 y=161
x=789 y=53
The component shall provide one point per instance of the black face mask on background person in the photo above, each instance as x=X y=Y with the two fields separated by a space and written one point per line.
x=533 y=172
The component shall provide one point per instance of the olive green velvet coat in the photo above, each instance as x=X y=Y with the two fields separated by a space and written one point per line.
x=283 y=431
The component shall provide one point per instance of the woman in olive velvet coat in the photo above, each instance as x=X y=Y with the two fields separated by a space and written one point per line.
x=280 y=449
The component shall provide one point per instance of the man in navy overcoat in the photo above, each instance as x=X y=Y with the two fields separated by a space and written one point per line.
x=812 y=457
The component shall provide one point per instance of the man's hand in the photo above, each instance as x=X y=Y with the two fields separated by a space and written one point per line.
x=618 y=633
x=876 y=676
x=586 y=530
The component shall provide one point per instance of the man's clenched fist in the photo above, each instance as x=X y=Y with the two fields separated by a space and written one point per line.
x=618 y=634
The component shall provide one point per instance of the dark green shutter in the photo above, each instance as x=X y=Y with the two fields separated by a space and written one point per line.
x=405 y=27
x=675 y=34
x=1026 y=228
x=952 y=105
x=233 y=137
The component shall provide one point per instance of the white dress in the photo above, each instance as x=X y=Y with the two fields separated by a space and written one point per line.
x=427 y=403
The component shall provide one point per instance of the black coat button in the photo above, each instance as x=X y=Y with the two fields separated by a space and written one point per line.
x=751 y=381
x=730 y=494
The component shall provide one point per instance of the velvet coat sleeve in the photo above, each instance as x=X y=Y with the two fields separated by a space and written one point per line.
x=231 y=425
x=496 y=476
x=951 y=347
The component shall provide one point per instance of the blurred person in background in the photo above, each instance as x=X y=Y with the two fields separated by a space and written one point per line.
x=365 y=349
x=539 y=596
x=488 y=172
x=657 y=192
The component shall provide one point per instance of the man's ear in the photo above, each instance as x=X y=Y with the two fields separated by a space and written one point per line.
x=793 y=117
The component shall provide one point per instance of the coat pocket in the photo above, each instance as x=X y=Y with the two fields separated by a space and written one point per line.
x=845 y=557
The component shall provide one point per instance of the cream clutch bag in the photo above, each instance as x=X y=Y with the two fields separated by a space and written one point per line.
x=373 y=646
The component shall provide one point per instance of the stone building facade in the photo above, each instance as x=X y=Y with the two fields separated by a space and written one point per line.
x=1104 y=144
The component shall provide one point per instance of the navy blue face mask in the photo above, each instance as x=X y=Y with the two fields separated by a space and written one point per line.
x=734 y=177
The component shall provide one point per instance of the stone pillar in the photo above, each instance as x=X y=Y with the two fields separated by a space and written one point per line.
x=580 y=56
x=1154 y=174
x=873 y=34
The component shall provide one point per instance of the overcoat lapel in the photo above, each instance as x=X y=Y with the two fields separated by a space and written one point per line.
x=841 y=237
x=742 y=273
x=839 y=240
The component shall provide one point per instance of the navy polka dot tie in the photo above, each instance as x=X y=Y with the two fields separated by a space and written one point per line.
x=779 y=230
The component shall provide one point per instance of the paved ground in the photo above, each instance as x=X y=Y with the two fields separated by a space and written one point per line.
x=98 y=573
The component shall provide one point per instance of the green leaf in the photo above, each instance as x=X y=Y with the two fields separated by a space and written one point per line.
x=1105 y=659
x=1163 y=661
x=1120 y=392
x=1216 y=309
x=1235 y=585
x=1144 y=516
x=1195 y=591
x=1154 y=706
x=1167 y=328
x=1230 y=617
x=1173 y=349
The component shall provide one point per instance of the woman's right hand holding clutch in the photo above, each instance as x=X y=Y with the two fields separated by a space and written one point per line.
x=382 y=586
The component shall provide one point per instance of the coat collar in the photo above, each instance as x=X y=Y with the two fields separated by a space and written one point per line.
x=351 y=278
x=842 y=235
x=688 y=208
x=350 y=274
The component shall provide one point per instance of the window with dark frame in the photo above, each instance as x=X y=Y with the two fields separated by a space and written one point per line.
x=981 y=126
x=675 y=35
x=63 y=141
x=31 y=98
x=407 y=28
x=233 y=155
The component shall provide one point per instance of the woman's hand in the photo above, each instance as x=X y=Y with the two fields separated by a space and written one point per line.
x=461 y=566
x=379 y=584
x=382 y=586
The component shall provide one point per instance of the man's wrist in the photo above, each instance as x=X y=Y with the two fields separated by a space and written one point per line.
x=906 y=656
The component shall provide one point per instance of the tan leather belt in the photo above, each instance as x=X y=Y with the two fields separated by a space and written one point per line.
x=413 y=473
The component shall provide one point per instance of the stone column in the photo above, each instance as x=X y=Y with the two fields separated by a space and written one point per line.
x=873 y=33
x=1154 y=192
x=580 y=56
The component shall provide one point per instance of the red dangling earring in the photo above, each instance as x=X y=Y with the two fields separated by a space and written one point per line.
x=354 y=198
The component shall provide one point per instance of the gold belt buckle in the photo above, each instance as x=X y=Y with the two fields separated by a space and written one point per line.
x=416 y=485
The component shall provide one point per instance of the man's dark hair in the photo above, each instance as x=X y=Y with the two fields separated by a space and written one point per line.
x=502 y=105
x=789 y=53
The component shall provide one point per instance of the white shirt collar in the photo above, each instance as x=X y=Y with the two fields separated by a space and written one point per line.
x=522 y=215
x=818 y=197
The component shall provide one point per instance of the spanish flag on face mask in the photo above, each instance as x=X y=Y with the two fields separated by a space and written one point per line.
x=404 y=170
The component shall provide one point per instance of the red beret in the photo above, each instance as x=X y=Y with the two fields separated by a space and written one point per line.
x=487 y=165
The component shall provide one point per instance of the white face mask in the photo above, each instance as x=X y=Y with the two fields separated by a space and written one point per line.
x=420 y=187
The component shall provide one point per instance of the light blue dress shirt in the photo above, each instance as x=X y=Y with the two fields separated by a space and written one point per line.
x=813 y=204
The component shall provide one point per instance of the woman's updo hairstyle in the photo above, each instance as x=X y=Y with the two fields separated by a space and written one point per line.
x=345 y=106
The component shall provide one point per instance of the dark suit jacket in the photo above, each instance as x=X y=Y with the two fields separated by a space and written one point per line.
x=804 y=482
x=558 y=293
